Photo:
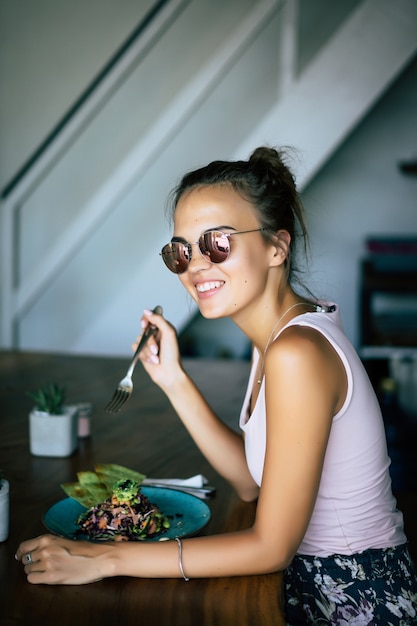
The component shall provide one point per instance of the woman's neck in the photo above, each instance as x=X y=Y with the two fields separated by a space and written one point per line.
x=258 y=322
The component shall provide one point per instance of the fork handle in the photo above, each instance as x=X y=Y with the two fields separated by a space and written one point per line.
x=147 y=334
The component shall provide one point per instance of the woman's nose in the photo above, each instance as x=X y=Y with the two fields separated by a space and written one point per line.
x=198 y=260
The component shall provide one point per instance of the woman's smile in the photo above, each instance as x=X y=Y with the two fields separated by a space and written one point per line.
x=208 y=287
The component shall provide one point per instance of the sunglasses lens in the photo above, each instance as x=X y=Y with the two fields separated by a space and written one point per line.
x=176 y=256
x=215 y=245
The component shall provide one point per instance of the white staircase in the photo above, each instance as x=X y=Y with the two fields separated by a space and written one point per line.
x=82 y=232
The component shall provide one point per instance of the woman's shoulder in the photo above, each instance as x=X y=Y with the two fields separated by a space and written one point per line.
x=299 y=343
x=320 y=329
x=304 y=365
x=304 y=351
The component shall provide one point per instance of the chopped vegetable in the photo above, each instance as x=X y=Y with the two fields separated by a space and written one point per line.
x=93 y=487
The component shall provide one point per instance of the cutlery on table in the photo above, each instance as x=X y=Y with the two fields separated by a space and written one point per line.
x=125 y=387
x=203 y=493
x=195 y=485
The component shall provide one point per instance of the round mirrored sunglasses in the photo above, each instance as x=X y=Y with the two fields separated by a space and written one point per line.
x=214 y=245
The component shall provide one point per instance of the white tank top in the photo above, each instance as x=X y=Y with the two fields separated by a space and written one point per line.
x=355 y=509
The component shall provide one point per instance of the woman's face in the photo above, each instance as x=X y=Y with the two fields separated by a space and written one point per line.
x=227 y=288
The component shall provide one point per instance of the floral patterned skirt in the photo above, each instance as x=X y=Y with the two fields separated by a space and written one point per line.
x=374 y=587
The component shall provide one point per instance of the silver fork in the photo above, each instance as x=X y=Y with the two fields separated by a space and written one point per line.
x=125 y=387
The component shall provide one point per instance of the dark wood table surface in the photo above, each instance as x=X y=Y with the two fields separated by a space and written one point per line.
x=146 y=436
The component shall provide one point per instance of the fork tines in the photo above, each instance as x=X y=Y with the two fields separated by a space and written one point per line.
x=118 y=400
x=125 y=386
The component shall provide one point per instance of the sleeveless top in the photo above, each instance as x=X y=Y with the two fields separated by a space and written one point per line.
x=355 y=508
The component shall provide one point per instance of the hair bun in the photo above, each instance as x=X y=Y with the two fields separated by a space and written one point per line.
x=268 y=156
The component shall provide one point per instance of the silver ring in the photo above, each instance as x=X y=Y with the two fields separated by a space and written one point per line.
x=28 y=558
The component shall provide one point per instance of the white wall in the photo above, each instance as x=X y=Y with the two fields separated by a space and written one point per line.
x=42 y=41
x=361 y=192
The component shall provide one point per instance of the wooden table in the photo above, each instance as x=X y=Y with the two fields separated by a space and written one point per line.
x=146 y=436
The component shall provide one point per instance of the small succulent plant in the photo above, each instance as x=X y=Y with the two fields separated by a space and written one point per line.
x=49 y=399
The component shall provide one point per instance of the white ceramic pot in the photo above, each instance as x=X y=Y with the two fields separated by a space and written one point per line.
x=4 y=509
x=53 y=435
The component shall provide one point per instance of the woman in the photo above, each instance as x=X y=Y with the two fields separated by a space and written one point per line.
x=313 y=449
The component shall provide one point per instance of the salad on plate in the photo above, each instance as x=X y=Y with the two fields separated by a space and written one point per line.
x=117 y=510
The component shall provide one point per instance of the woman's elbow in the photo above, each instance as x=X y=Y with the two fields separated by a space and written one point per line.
x=277 y=562
x=248 y=494
x=275 y=554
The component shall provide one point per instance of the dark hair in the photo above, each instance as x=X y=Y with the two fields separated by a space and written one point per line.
x=267 y=183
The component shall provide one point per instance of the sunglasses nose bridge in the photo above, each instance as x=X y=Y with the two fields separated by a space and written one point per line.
x=198 y=254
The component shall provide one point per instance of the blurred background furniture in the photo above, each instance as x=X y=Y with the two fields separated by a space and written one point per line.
x=388 y=338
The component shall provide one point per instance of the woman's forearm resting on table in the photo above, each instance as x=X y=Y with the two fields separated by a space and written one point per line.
x=61 y=561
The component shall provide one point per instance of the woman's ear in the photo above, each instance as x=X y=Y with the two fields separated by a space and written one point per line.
x=281 y=243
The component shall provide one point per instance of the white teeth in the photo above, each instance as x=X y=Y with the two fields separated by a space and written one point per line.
x=208 y=286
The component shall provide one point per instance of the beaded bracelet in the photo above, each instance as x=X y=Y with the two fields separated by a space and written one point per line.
x=178 y=540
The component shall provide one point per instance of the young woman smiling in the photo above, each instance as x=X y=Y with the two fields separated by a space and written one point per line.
x=312 y=447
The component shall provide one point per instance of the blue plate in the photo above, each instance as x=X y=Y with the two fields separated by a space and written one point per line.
x=187 y=514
